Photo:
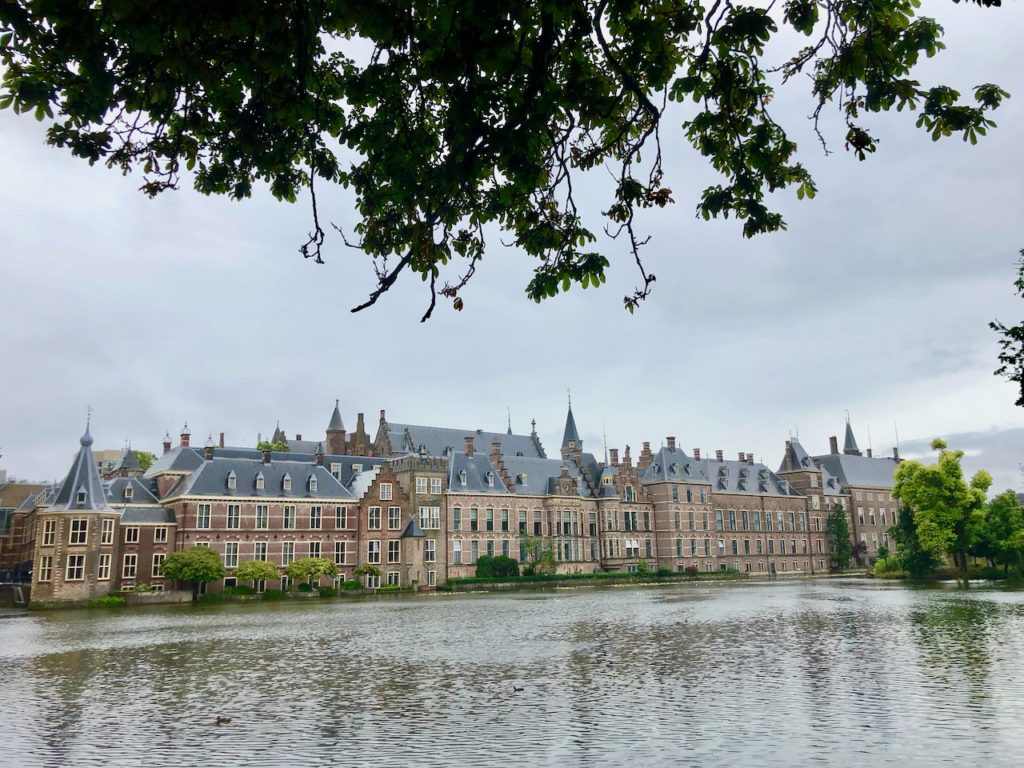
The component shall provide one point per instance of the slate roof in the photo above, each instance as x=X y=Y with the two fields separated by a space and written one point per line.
x=675 y=466
x=142 y=491
x=439 y=441
x=211 y=479
x=157 y=515
x=798 y=456
x=468 y=474
x=859 y=471
x=348 y=463
x=178 y=459
x=413 y=530
x=571 y=434
x=850 y=442
x=335 y=422
x=83 y=477
x=361 y=481
x=127 y=462
x=540 y=475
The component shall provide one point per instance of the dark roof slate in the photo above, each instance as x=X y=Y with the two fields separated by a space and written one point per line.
x=83 y=478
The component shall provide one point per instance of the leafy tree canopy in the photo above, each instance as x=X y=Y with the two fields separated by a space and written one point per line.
x=838 y=530
x=195 y=565
x=310 y=568
x=946 y=508
x=910 y=555
x=145 y=459
x=1011 y=356
x=496 y=566
x=278 y=446
x=257 y=570
x=444 y=117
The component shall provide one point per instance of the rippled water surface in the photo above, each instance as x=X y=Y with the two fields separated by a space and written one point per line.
x=788 y=674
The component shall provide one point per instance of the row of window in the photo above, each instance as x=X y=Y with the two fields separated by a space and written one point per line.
x=871 y=516
x=261 y=517
x=343 y=553
x=696 y=549
x=75 y=567
x=435 y=485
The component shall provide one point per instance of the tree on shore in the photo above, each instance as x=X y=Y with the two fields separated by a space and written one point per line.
x=837 y=529
x=196 y=565
x=309 y=568
x=496 y=566
x=1000 y=534
x=444 y=118
x=911 y=556
x=1011 y=358
x=539 y=557
x=257 y=570
x=946 y=509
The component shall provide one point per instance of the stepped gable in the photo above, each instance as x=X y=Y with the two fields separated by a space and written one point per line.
x=82 y=489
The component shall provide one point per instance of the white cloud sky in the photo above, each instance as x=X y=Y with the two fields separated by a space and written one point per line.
x=876 y=300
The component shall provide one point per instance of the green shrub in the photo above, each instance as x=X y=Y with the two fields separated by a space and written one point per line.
x=239 y=590
x=987 y=572
x=351 y=585
x=305 y=587
x=211 y=598
x=496 y=567
x=886 y=566
x=328 y=592
x=107 y=601
x=274 y=594
x=142 y=588
x=692 y=570
x=390 y=588
x=664 y=571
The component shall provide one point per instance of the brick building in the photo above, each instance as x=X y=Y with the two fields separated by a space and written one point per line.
x=423 y=503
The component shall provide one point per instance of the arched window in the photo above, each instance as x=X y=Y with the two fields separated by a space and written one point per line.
x=629 y=494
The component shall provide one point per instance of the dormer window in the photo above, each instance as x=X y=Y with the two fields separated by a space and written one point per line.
x=232 y=480
x=261 y=482
x=674 y=468
x=286 y=482
x=312 y=484
x=80 y=497
x=521 y=478
x=462 y=477
x=490 y=479
x=128 y=493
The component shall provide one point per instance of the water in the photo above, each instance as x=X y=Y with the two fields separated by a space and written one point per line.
x=830 y=673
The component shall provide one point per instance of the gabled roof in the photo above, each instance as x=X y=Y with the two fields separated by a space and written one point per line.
x=82 y=488
x=675 y=466
x=859 y=471
x=361 y=481
x=469 y=474
x=178 y=459
x=440 y=441
x=796 y=458
x=211 y=479
x=413 y=530
x=536 y=477
x=142 y=492
x=127 y=462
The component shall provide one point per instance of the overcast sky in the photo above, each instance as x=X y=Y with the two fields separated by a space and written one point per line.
x=876 y=300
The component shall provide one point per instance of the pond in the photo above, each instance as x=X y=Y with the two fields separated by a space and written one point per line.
x=822 y=672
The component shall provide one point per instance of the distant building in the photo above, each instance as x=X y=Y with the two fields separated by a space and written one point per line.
x=422 y=504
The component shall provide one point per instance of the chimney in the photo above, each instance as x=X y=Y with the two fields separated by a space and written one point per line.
x=750 y=457
x=626 y=460
x=645 y=457
x=266 y=457
x=743 y=457
x=671 y=442
x=833 y=444
x=382 y=419
x=613 y=456
x=696 y=453
x=896 y=453
x=298 y=436
x=496 y=452
x=208 y=449
x=167 y=443
x=319 y=455
x=469 y=444
x=869 y=453
x=185 y=436
x=221 y=439
x=788 y=461
x=718 y=454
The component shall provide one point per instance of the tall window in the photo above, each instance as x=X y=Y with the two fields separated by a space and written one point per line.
x=394 y=551
x=50 y=536
x=693 y=547
x=315 y=517
x=504 y=519
x=490 y=519
x=130 y=567
x=373 y=518
x=336 y=471
x=107 y=532
x=429 y=551
x=234 y=516
x=231 y=554
x=457 y=519
x=457 y=553
x=160 y=535
x=46 y=568
x=394 y=518
x=689 y=494
x=289 y=517
x=719 y=525
x=675 y=493
x=202 y=515
x=287 y=552
x=385 y=491
x=474 y=550
x=373 y=552
x=421 y=485
x=286 y=482
x=430 y=518
x=315 y=549
x=103 y=567
x=79 y=532
x=131 y=535
x=75 y=568
x=340 y=551
x=260 y=551
x=262 y=517
x=473 y=521
x=341 y=518
x=435 y=485
x=158 y=563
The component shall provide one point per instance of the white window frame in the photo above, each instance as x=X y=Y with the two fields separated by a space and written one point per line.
x=373 y=551
x=131 y=534
x=130 y=566
x=49 y=537
x=160 y=534
x=289 y=517
x=421 y=484
x=262 y=517
x=430 y=551
x=231 y=554
x=78 y=533
x=373 y=518
x=394 y=518
x=234 y=515
x=46 y=568
x=394 y=552
x=158 y=563
x=435 y=486
x=204 y=513
x=78 y=568
x=316 y=518
x=106 y=532
x=386 y=492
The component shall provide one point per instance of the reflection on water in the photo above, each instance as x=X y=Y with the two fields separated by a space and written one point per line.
x=796 y=673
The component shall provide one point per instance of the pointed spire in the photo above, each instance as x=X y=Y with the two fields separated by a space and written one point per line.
x=850 y=442
x=82 y=488
x=336 y=423
x=571 y=437
x=509 y=412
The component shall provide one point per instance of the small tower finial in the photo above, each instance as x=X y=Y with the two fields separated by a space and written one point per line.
x=569 y=392
x=508 y=410
x=604 y=432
